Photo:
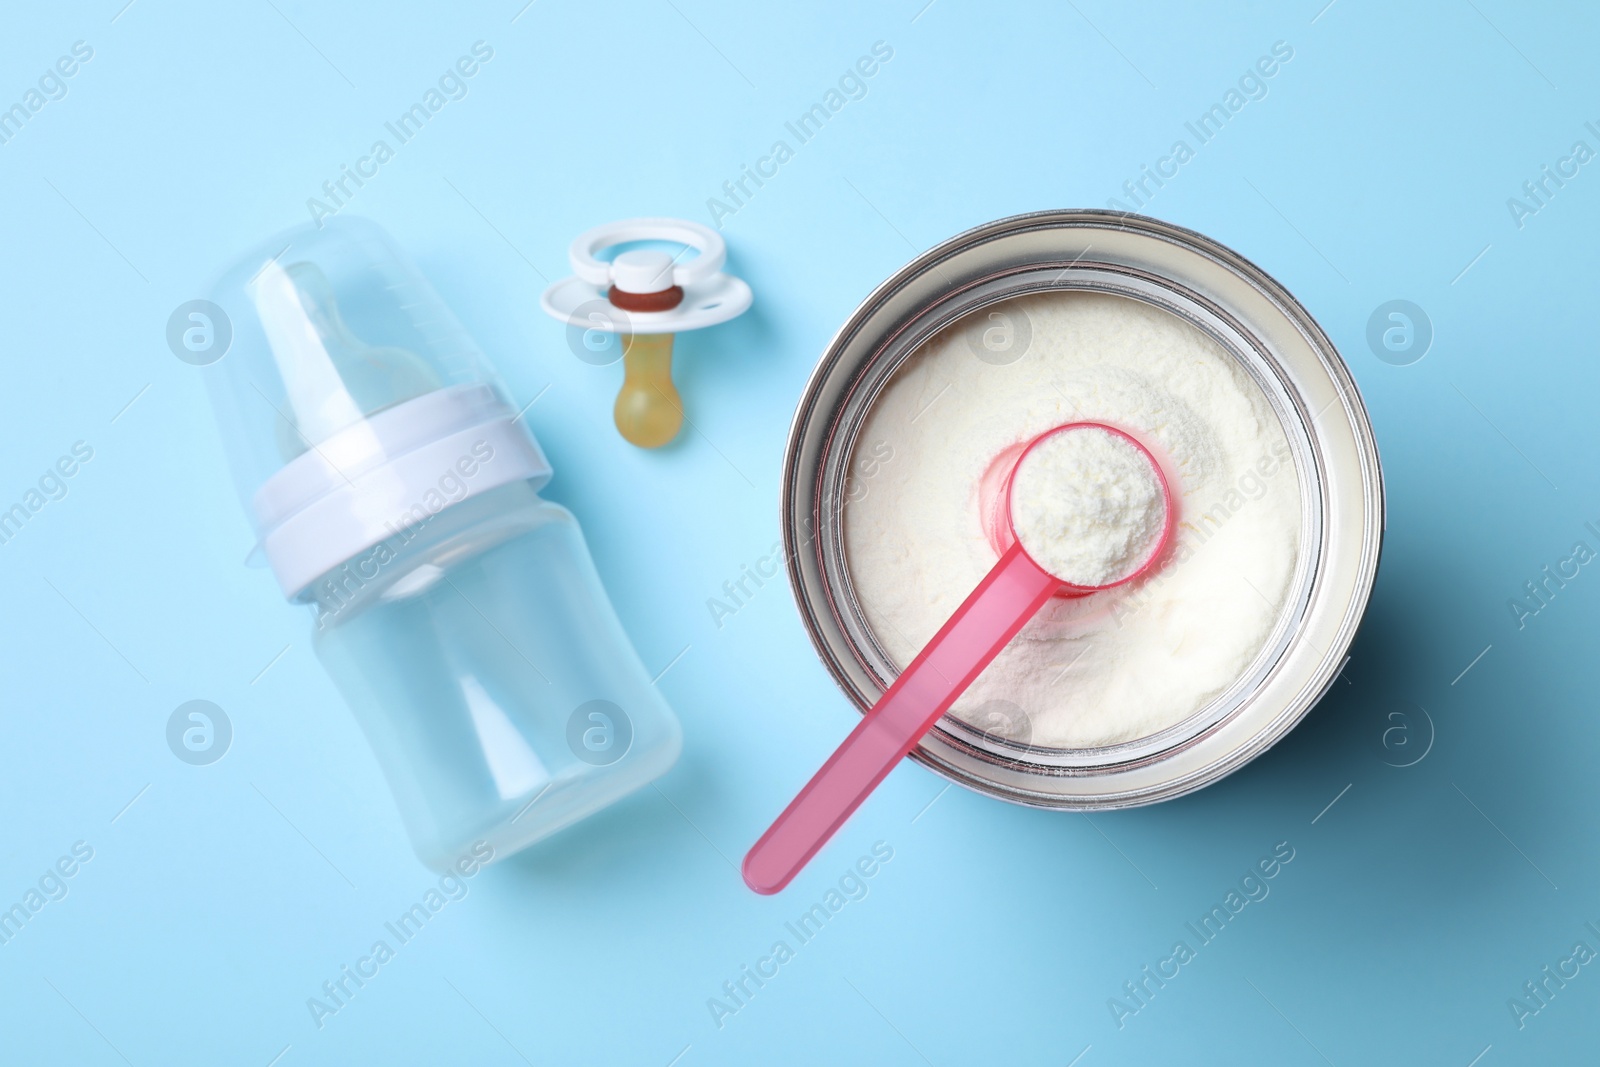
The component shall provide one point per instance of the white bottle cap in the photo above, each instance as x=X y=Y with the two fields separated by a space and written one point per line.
x=351 y=401
x=375 y=478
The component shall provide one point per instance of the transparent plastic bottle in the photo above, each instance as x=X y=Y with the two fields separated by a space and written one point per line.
x=394 y=489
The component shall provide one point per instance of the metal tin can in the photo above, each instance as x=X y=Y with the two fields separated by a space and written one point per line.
x=1254 y=319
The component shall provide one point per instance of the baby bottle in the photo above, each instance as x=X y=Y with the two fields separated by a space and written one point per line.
x=394 y=490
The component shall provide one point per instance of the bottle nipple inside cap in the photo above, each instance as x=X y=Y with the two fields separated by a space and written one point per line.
x=332 y=378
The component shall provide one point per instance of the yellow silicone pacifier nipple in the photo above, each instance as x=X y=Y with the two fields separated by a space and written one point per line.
x=637 y=303
x=648 y=411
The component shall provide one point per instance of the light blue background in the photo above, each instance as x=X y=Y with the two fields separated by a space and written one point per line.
x=1378 y=167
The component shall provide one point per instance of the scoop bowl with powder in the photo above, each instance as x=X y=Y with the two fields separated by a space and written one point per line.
x=1089 y=505
x=1088 y=509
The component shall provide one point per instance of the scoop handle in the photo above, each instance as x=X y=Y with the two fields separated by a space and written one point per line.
x=1001 y=605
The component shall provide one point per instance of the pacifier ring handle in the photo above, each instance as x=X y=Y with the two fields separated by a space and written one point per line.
x=586 y=264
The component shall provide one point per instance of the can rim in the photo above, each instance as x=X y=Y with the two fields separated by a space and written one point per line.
x=947 y=755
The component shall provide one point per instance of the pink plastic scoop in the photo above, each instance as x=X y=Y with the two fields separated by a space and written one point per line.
x=1004 y=601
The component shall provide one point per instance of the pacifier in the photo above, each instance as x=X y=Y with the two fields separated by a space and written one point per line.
x=638 y=301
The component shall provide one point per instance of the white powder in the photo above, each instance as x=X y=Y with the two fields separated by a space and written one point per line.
x=1087 y=506
x=1119 y=664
